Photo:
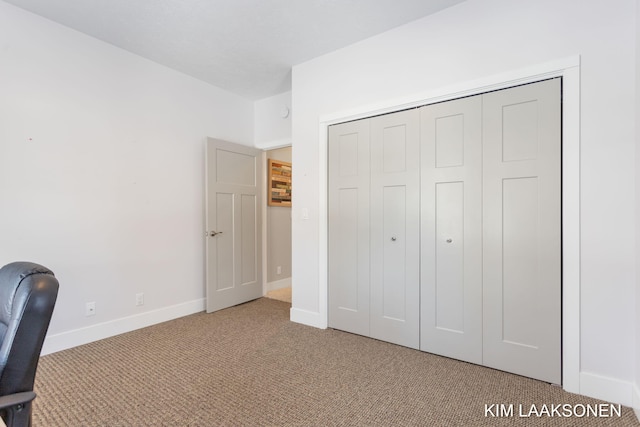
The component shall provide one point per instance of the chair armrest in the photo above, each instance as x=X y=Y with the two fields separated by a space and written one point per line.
x=16 y=399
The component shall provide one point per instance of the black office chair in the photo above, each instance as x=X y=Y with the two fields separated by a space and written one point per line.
x=28 y=294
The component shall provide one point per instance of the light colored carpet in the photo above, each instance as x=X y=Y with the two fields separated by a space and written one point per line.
x=250 y=366
x=282 y=294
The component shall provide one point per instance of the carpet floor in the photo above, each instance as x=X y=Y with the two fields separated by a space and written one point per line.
x=250 y=366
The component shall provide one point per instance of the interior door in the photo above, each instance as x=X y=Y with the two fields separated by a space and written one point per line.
x=522 y=230
x=234 y=224
x=451 y=229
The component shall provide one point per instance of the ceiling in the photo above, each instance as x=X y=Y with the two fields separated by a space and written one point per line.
x=244 y=46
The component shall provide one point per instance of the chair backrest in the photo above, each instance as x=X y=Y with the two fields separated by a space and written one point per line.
x=28 y=294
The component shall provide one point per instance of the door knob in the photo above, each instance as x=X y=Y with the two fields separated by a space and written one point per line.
x=214 y=233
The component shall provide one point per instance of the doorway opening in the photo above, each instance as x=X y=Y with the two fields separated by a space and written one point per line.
x=278 y=241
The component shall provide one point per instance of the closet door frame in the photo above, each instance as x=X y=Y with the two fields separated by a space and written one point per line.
x=567 y=68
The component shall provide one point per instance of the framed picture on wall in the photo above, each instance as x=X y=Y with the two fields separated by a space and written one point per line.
x=279 y=183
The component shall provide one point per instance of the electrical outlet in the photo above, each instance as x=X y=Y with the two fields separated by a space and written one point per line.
x=90 y=309
x=140 y=299
x=279 y=270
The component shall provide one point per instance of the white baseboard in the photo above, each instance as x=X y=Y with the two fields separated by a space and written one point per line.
x=605 y=388
x=278 y=284
x=309 y=318
x=76 y=337
x=636 y=400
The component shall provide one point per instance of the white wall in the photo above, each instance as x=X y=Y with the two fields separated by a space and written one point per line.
x=271 y=128
x=101 y=174
x=468 y=42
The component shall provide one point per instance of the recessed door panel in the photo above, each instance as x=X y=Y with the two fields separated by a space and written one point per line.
x=223 y=244
x=394 y=148
x=520 y=232
x=450 y=256
x=449 y=141
x=235 y=168
x=248 y=234
x=345 y=296
x=394 y=278
x=347 y=147
x=520 y=131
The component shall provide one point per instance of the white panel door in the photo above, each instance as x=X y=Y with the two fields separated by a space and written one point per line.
x=233 y=221
x=451 y=229
x=522 y=230
x=395 y=228
x=348 y=188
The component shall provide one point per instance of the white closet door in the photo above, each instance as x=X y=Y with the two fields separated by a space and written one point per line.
x=451 y=229
x=349 y=176
x=522 y=247
x=395 y=228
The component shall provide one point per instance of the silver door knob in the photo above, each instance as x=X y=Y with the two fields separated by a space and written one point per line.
x=449 y=240
x=214 y=233
x=393 y=239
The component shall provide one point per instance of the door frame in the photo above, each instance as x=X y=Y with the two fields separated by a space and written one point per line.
x=567 y=68
x=265 y=206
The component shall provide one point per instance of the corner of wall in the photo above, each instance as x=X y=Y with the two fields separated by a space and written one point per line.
x=272 y=121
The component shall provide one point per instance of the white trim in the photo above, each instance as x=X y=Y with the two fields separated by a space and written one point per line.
x=504 y=80
x=272 y=145
x=264 y=226
x=323 y=225
x=605 y=388
x=279 y=284
x=636 y=401
x=305 y=317
x=76 y=337
x=569 y=69
x=571 y=230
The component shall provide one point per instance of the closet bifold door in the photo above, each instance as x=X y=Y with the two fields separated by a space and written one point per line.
x=522 y=230
x=451 y=229
x=395 y=228
x=348 y=210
